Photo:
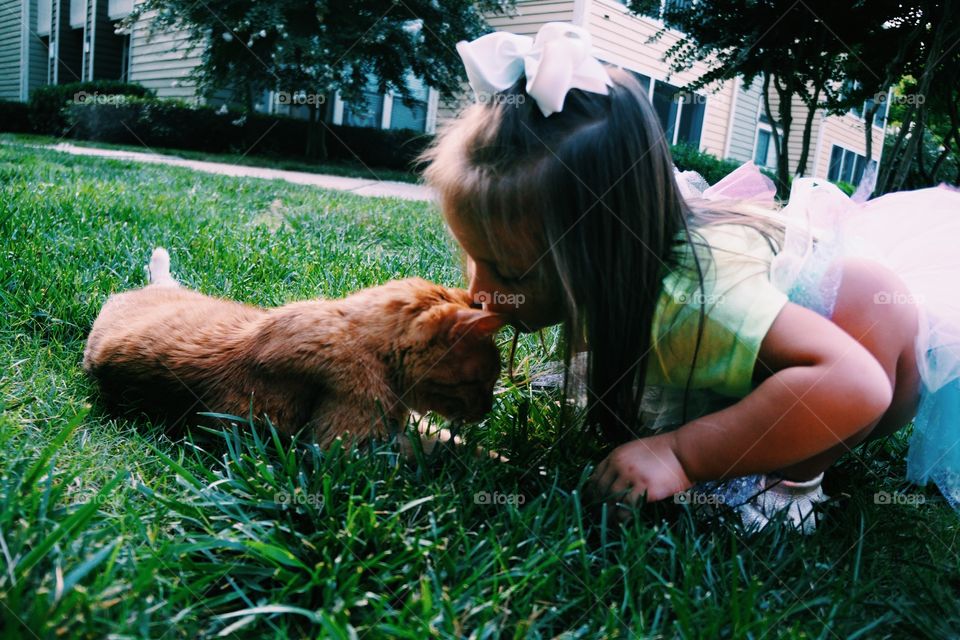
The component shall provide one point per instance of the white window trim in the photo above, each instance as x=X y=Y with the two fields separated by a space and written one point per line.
x=771 y=148
x=731 y=118
x=387 y=113
x=337 y=109
x=433 y=104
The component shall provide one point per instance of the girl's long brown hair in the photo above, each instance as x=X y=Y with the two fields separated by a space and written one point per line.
x=592 y=190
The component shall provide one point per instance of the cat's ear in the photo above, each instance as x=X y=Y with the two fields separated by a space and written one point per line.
x=476 y=323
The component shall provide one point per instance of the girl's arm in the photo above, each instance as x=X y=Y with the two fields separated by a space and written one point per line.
x=825 y=387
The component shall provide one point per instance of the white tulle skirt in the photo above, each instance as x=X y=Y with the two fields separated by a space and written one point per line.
x=914 y=233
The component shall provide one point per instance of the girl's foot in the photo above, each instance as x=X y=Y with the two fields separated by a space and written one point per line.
x=787 y=499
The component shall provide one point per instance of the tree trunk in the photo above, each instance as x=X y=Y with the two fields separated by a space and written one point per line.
x=869 y=115
x=886 y=170
x=943 y=156
x=783 y=184
x=807 y=130
x=316 y=138
x=248 y=97
x=916 y=140
x=785 y=110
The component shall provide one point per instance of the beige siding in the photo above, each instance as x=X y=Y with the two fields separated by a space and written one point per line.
x=163 y=60
x=846 y=131
x=620 y=38
x=744 y=129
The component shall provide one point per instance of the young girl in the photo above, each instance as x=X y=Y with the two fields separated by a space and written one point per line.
x=786 y=337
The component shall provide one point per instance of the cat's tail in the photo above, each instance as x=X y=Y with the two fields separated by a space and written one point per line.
x=158 y=271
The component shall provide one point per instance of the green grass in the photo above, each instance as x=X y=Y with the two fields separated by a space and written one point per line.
x=113 y=527
x=252 y=159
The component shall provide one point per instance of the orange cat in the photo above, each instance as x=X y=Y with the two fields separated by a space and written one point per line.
x=333 y=366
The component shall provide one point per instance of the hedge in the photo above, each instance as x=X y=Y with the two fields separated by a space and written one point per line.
x=14 y=117
x=179 y=125
x=126 y=113
x=47 y=103
x=712 y=168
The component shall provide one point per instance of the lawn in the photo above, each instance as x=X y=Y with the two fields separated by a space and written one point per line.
x=355 y=169
x=114 y=527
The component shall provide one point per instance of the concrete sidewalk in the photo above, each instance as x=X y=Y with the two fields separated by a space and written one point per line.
x=359 y=186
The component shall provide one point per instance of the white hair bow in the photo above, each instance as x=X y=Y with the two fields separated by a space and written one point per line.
x=557 y=61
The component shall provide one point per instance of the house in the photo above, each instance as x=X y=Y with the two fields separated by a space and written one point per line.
x=59 y=41
x=62 y=41
x=728 y=122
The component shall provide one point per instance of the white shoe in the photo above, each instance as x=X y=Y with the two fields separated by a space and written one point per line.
x=789 y=500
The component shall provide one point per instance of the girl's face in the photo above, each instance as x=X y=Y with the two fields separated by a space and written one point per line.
x=509 y=282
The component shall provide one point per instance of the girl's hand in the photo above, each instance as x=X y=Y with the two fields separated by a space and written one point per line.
x=646 y=466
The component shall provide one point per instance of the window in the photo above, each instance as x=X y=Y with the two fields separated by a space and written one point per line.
x=680 y=113
x=410 y=114
x=846 y=166
x=880 y=117
x=765 y=152
x=369 y=114
x=642 y=79
x=691 y=119
x=666 y=107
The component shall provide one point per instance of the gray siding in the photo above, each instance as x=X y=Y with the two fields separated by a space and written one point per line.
x=744 y=131
x=163 y=61
x=10 y=29
x=38 y=50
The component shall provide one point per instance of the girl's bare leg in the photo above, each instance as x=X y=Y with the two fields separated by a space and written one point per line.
x=875 y=308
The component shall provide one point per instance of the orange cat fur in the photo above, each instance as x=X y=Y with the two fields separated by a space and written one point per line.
x=332 y=366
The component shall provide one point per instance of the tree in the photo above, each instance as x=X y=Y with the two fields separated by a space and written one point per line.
x=310 y=49
x=799 y=49
x=925 y=110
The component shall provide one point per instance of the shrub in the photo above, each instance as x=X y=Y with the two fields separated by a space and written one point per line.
x=178 y=125
x=47 y=103
x=151 y=122
x=14 y=117
x=712 y=168
x=846 y=187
